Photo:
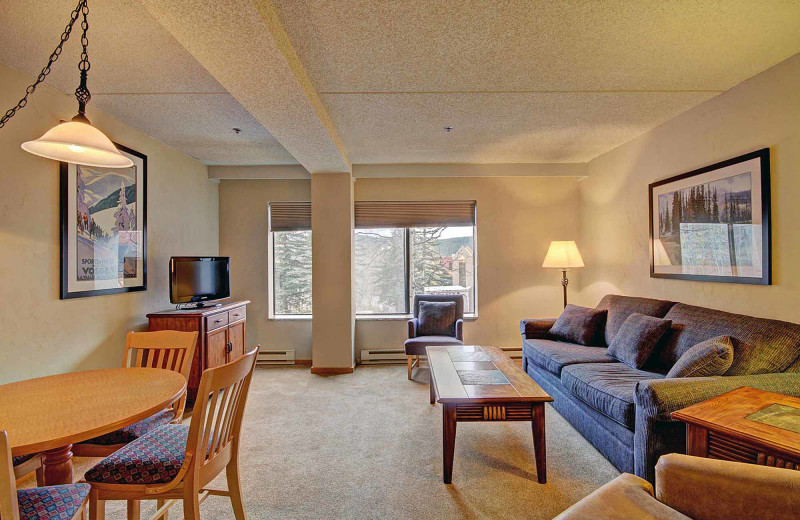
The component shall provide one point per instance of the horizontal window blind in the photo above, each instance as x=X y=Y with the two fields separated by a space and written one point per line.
x=289 y=216
x=406 y=214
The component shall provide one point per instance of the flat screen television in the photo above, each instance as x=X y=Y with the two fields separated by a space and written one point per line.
x=197 y=279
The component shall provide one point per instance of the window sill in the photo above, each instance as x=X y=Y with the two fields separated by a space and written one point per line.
x=291 y=317
x=360 y=317
x=400 y=317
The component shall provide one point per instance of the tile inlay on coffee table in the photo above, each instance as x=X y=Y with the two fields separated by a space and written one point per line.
x=483 y=384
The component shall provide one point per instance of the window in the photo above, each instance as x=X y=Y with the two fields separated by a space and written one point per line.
x=290 y=258
x=401 y=249
x=396 y=260
x=291 y=272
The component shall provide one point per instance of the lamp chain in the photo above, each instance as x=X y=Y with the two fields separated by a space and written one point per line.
x=82 y=8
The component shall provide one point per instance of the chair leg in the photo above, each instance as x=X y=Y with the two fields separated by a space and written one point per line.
x=191 y=504
x=235 y=488
x=410 y=366
x=134 y=509
x=97 y=508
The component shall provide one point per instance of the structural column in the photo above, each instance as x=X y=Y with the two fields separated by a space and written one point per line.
x=333 y=324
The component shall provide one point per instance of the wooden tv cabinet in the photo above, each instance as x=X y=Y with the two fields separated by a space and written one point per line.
x=222 y=336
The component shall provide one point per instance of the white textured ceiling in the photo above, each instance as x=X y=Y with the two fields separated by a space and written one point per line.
x=141 y=75
x=376 y=81
x=527 y=80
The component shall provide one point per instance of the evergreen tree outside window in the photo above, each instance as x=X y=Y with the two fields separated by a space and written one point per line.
x=291 y=272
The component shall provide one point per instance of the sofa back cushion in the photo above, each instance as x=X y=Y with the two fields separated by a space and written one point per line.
x=712 y=357
x=760 y=346
x=620 y=307
x=637 y=339
x=580 y=325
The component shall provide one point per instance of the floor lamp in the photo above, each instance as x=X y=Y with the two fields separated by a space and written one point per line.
x=564 y=255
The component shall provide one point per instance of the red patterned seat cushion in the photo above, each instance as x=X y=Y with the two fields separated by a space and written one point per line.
x=52 y=502
x=154 y=458
x=134 y=431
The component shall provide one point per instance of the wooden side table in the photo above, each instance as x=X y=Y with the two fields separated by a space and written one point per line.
x=742 y=426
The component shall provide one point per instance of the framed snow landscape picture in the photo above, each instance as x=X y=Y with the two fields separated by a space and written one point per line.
x=104 y=228
x=713 y=224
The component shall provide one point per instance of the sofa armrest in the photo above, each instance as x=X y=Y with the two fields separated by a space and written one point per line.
x=657 y=433
x=460 y=329
x=705 y=489
x=536 y=328
x=661 y=397
x=413 y=323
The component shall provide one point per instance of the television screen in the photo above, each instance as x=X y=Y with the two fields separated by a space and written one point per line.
x=196 y=279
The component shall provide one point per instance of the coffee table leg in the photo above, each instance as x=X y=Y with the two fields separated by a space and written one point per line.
x=539 y=445
x=433 y=389
x=58 y=466
x=449 y=440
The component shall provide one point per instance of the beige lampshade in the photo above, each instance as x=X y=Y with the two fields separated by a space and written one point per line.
x=77 y=142
x=563 y=254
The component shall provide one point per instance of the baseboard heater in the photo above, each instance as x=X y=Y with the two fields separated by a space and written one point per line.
x=383 y=356
x=275 y=357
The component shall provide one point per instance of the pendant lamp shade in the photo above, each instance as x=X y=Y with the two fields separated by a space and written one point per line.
x=77 y=142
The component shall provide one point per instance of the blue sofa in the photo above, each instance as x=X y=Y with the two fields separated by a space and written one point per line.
x=625 y=412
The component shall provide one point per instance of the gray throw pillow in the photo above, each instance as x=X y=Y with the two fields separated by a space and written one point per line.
x=712 y=357
x=436 y=319
x=580 y=325
x=637 y=339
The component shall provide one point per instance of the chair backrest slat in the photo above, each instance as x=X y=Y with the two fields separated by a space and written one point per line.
x=9 y=508
x=218 y=411
x=166 y=349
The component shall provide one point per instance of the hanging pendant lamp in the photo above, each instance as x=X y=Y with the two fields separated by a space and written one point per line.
x=75 y=141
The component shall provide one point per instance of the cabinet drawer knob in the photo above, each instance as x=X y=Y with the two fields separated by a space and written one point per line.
x=217 y=321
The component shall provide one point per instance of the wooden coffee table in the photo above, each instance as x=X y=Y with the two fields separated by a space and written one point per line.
x=745 y=425
x=484 y=384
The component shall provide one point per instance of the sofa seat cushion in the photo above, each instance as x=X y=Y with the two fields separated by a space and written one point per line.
x=416 y=346
x=553 y=356
x=52 y=502
x=607 y=387
x=760 y=345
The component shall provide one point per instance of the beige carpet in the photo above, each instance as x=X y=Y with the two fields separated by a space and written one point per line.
x=368 y=445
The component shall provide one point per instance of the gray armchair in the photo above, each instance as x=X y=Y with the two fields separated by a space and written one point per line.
x=415 y=344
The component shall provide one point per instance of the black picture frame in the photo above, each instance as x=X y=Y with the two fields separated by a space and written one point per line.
x=141 y=219
x=764 y=197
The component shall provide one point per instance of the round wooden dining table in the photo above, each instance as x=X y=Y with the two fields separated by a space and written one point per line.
x=50 y=414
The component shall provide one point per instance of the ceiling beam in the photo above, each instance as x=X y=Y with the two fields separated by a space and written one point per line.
x=243 y=44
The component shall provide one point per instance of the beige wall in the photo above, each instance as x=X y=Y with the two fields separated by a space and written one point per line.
x=42 y=334
x=763 y=111
x=244 y=236
x=517 y=218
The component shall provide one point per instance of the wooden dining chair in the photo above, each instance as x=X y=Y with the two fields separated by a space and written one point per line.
x=26 y=464
x=65 y=502
x=166 y=349
x=177 y=461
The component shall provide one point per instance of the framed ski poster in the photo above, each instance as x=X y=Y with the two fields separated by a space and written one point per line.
x=104 y=228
